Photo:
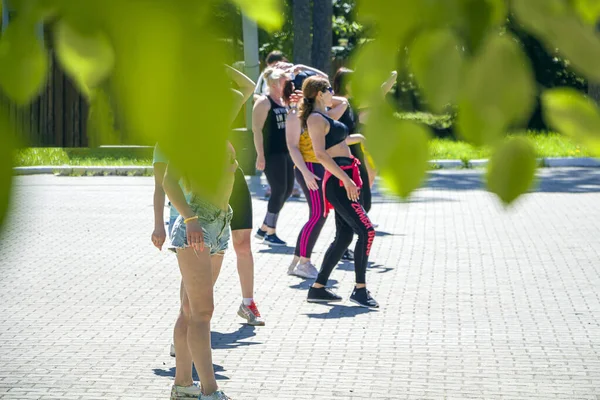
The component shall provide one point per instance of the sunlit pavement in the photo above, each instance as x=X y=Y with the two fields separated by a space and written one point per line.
x=478 y=301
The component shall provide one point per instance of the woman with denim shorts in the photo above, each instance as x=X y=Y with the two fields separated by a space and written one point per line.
x=199 y=236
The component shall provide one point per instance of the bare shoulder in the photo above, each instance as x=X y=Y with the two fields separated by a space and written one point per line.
x=316 y=120
x=262 y=103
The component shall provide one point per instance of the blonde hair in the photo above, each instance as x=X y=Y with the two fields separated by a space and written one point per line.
x=272 y=75
x=310 y=89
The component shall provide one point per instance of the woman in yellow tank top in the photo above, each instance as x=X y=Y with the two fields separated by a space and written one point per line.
x=309 y=173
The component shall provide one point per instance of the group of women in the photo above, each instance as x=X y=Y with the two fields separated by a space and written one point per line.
x=308 y=135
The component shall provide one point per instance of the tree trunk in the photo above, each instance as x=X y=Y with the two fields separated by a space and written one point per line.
x=301 y=20
x=322 y=35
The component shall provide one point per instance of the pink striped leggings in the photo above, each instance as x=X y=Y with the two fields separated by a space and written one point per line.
x=311 y=230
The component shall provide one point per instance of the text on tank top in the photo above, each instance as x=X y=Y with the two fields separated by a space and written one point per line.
x=274 y=129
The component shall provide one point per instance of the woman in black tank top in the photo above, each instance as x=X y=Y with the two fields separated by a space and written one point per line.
x=341 y=187
x=268 y=126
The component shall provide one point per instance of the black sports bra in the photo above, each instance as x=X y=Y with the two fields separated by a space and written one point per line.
x=338 y=132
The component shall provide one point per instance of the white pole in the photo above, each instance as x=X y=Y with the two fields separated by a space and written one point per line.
x=251 y=61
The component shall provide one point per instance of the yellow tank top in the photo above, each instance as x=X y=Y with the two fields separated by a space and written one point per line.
x=306 y=148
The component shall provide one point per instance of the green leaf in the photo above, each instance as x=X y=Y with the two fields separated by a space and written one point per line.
x=7 y=135
x=497 y=91
x=572 y=114
x=89 y=59
x=588 y=10
x=171 y=87
x=481 y=15
x=23 y=62
x=374 y=61
x=267 y=13
x=399 y=148
x=559 y=28
x=436 y=60
x=512 y=169
x=100 y=122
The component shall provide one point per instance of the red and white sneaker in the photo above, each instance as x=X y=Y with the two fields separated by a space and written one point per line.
x=251 y=314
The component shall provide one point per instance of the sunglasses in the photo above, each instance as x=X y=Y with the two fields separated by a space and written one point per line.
x=329 y=89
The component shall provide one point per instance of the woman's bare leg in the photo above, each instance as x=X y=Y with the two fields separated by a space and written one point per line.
x=183 y=361
x=216 y=261
x=196 y=271
x=245 y=260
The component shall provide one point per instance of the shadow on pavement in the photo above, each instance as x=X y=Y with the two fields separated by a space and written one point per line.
x=306 y=283
x=550 y=180
x=276 y=249
x=231 y=340
x=383 y=233
x=170 y=373
x=340 y=311
x=349 y=266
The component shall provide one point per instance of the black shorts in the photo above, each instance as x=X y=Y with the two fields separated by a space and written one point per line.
x=241 y=203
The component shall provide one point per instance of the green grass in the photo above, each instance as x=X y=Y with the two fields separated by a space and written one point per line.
x=83 y=157
x=547 y=145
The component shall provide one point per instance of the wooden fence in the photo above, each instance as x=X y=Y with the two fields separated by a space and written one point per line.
x=57 y=118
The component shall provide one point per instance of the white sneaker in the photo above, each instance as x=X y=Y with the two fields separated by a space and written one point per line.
x=218 y=395
x=306 y=270
x=292 y=267
x=185 y=392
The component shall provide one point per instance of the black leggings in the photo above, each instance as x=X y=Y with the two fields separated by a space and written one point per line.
x=365 y=191
x=279 y=170
x=350 y=218
x=241 y=203
x=312 y=229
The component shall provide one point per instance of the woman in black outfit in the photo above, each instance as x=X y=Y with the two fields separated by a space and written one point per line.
x=268 y=125
x=342 y=184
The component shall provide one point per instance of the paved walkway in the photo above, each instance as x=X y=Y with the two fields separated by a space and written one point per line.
x=478 y=302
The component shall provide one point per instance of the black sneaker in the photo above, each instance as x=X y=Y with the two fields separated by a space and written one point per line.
x=348 y=255
x=363 y=298
x=260 y=234
x=321 y=295
x=273 y=240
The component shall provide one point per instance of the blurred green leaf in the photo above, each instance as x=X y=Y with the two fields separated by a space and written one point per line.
x=512 y=169
x=267 y=13
x=572 y=114
x=588 y=10
x=497 y=91
x=480 y=16
x=170 y=86
x=559 y=28
x=373 y=62
x=399 y=148
x=6 y=162
x=23 y=62
x=436 y=60
x=100 y=122
x=89 y=59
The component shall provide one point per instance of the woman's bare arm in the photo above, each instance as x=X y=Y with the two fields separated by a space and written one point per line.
x=355 y=139
x=293 y=131
x=245 y=84
x=339 y=107
x=259 y=116
x=175 y=193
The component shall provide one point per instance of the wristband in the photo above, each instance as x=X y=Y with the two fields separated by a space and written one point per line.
x=185 y=221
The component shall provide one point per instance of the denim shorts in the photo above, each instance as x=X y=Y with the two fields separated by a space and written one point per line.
x=215 y=226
